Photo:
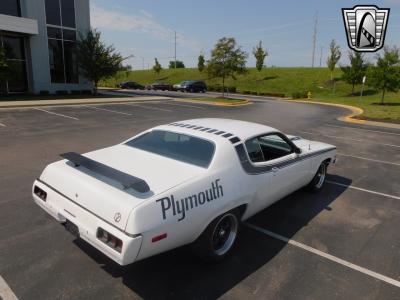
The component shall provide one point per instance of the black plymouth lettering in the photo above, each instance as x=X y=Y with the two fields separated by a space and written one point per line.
x=180 y=207
x=164 y=207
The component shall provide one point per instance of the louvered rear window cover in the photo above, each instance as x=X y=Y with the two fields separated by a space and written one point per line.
x=232 y=138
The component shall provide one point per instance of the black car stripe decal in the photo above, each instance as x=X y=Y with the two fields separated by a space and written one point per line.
x=250 y=169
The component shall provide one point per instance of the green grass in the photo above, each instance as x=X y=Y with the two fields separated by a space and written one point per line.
x=283 y=80
x=221 y=100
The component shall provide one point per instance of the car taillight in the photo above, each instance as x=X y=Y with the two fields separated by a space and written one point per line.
x=40 y=193
x=109 y=239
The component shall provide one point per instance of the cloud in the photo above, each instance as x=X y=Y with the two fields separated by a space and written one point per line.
x=146 y=13
x=143 y=22
x=118 y=21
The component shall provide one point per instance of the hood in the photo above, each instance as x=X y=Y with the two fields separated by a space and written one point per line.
x=105 y=197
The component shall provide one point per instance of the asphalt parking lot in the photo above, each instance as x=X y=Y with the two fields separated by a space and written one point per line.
x=343 y=243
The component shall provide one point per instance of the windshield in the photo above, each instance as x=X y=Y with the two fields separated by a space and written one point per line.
x=185 y=148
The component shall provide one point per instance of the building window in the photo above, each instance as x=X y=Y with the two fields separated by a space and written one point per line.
x=10 y=7
x=15 y=53
x=68 y=13
x=61 y=33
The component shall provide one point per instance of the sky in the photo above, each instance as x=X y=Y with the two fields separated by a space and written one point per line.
x=145 y=28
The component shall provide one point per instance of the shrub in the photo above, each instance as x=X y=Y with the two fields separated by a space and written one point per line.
x=279 y=95
x=299 y=95
x=62 y=92
x=86 y=92
x=231 y=89
x=246 y=92
x=44 y=92
x=75 y=92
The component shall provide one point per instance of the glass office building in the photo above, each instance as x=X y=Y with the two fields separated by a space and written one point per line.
x=38 y=38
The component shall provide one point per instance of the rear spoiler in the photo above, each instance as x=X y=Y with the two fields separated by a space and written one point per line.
x=128 y=181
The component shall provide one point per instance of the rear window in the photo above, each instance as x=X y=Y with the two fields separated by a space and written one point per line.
x=177 y=146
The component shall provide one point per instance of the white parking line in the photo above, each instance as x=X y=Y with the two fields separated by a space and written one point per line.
x=378 y=131
x=363 y=190
x=5 y=292
x=3 y=125
x=108 y=110
x=53 y=113
x=350 y=139
x=192 y=106
x=326 y=255
x=370 y=159
x=154 y=108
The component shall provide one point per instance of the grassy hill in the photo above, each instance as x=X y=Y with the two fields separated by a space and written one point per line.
x=282 y=80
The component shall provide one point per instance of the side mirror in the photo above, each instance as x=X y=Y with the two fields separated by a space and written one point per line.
x=297 y=150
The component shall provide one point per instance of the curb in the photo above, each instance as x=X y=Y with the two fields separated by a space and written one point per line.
x=65 y=102
x=355 y=111
x=243 y=103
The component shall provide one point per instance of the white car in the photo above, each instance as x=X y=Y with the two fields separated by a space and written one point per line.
x=189 y=182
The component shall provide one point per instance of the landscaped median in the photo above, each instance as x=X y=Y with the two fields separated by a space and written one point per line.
x=375 y=117
x=218 y=101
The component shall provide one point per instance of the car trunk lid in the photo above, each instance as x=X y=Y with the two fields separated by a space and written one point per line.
x=106 y=197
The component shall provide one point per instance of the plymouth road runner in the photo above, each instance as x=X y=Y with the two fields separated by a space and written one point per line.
x=189 y=182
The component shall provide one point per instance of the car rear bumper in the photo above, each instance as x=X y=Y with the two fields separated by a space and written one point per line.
x=63 y=209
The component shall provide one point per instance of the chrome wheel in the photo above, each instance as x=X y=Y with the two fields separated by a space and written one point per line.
x=224 y=234
x=320 y=176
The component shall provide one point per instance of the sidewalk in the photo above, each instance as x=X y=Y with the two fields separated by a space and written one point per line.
x=34 y=103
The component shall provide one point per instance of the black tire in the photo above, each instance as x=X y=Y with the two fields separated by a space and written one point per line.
x=218 y=239
x=318 y=182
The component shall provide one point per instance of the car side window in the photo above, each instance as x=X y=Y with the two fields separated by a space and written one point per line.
x=267 y=147
x=254 y=150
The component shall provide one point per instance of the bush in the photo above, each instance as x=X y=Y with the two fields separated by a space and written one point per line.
x=62 y=92
x=299 y=95
x=75 y=92
x=246 y=92
x=44 y=92
x=230 y=89
x=279 y=95
x=86 y=92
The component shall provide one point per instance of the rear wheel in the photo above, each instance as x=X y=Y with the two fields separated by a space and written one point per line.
x=217 y=241
x=319 y=179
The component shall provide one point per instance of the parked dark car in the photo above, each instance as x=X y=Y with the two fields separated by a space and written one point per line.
x=158 y=85
x=131 y=85
x=192 y=86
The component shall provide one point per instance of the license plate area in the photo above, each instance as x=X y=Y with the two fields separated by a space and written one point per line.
x=72 y=228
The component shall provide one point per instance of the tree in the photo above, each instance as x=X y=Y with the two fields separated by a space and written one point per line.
x=127 y=68
x=157 y=67
x=96 y=60
x=354 y=73
x=201 y=63
x=4 y=67
x=385 y=76
x=179 y=64
x=334 y=57
x=226 y=60
x=260 y=54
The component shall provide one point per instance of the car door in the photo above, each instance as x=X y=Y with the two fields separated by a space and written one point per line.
x=287 y=167
x=280 y=170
